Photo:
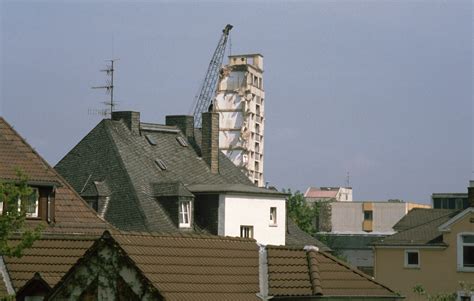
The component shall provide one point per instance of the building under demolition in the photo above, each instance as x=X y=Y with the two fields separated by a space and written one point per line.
x=240 y=104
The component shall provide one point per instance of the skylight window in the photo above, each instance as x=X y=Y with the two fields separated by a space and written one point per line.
x=161 y=164
x=150 y=139
x=181 y=141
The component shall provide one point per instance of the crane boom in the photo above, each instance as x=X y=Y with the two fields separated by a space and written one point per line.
x=204 y=97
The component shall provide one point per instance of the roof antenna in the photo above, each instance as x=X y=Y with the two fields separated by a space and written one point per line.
x=348 y=180
x=109 y=89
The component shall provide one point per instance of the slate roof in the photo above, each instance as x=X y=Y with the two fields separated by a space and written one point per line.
x=298 y=238
x=419 y=227
x=190 y=266
x=298 y=272
x=350 y=241
x=126 y=162
x=418 y=216
x=72 y=214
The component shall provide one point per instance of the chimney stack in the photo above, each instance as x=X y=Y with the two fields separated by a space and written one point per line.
x=210 y=140
x=183 y=122
x=131 y=119
x=470 y=193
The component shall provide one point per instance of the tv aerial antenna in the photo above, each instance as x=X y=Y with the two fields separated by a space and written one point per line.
x=109 y=89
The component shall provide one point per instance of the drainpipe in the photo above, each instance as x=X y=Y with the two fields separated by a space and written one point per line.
x=263 y=273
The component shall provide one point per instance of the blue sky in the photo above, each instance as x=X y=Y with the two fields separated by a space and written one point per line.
x=379 y=89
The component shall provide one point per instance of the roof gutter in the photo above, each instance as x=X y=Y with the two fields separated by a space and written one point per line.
x=336 y=298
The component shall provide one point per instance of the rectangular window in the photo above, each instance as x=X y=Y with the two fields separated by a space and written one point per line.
x=467 y=251
x=246 y=231
x=273 y=216
x=185 y=214
x=31 y=204
x=368 y=215
x=412 y=259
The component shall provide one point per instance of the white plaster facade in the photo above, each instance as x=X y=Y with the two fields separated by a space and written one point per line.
x=240 y=103
x=243 y=210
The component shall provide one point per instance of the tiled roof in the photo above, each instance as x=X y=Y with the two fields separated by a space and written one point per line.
x=298 y=272
x=190 y=266
x=314 y=192
x=418 y=216
x=72 y=214
x=51 y=256
x=196 y=267
x=16 y=154
x=296 y=237
x=419 y=227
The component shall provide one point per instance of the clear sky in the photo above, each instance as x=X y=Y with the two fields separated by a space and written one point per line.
x=379 y=89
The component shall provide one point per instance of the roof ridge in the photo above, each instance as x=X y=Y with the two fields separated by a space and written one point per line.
x=124 y=168
x=191 y=235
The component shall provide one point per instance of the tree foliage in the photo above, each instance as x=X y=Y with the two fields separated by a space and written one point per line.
x=13 y=219
x=302 y=213
x=466 y=287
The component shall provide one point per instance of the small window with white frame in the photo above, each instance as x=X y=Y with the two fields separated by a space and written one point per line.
x=412 y=259
x=184 y=214
x=246 y=231
x=273 y=216
x=465 y=252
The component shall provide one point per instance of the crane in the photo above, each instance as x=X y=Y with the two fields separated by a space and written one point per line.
x=204 y=97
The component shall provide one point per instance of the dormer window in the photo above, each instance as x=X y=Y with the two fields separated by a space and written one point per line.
x=30 y=204
x=184 y=214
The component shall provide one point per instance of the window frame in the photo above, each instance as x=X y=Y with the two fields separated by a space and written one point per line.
x=273 y=216
x=250 y=231
x=370 y=214
x=460 y=252
x=184 y=209
x=36 y=214
x=408 y=265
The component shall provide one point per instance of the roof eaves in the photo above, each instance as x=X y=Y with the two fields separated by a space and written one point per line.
x=445 y=227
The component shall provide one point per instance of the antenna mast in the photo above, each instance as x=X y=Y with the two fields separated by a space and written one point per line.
x=109 y=87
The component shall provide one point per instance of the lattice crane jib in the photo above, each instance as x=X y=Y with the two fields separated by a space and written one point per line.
x=207 y=91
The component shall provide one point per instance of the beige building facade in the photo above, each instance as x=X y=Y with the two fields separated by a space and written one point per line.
x=240 y=102
x=435 y=256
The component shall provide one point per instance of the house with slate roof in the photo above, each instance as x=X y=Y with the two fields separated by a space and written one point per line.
x=433 y=248
x=171 y=178
x=56 y=206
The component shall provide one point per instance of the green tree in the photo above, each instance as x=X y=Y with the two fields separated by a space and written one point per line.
x=302 y=213
x=15 y=234
x=466 y=287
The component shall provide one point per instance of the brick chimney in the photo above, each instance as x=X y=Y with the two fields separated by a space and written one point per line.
x=470 y=193
x=210 y=140
x=131 y=119
x=184 y=122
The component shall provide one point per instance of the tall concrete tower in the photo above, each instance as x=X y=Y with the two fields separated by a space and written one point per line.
x=240 y=104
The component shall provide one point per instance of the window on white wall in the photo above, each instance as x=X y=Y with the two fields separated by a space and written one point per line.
x=465 y=252
x=185 y=214
x=273 y=216
x=246 y=231
x=412 y=259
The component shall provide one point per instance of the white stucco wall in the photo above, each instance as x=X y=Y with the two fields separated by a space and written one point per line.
x=240 y=210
